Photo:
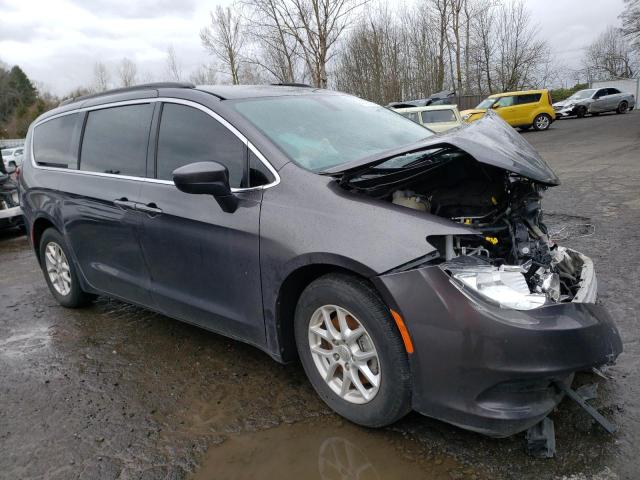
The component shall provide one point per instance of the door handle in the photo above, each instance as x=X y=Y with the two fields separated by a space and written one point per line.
x=124 y=204
x=150 y=208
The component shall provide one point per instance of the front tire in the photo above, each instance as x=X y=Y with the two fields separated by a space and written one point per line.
x=622 y=108
x=352 y=352
x=60 y=272
x=541 y=122
x=581 y=111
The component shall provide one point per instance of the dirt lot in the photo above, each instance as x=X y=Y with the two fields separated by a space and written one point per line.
x=117 y=392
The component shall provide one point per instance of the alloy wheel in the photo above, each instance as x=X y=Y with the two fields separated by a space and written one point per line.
x=344 y=354
x=542 y=122
x=57 y=268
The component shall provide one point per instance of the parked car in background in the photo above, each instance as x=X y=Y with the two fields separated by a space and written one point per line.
x=446 y=97
x=595 y=101
x=405 y=270
x=525 y=109
x=12 y=156
x=10 y=211
x=438 y=118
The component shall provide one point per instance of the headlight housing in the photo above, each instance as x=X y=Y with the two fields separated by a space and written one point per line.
x=466 y=116
x=505 y=286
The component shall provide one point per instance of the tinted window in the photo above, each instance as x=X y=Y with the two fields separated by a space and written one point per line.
x=529 y=98
x=259 y=174
x=55 y=143
x=188 y=135
x=505 y=101
x=115 y=140
x=612 y=91
x=600 y=93
x=438 y=116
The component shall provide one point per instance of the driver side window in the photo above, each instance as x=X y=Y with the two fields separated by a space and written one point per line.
x=600 y=93
x=504 y=102
x=188 y=135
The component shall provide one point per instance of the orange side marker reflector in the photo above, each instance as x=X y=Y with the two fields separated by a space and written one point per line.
x=408 y=344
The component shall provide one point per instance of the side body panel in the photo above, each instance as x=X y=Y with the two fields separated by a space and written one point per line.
x=204 y=262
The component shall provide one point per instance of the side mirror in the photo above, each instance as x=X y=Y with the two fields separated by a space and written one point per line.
x=11 y=168
x=209 y=178
x=495 y=106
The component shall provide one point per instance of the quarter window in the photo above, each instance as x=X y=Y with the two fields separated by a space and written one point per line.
x=189 y=135
x=55 y=142
x=259 y=174
x=115 y=140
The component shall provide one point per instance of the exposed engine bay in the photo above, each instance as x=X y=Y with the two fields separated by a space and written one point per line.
x=512 y=251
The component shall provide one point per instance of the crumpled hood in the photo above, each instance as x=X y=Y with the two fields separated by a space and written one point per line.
x=489 y=140
x=473 y=111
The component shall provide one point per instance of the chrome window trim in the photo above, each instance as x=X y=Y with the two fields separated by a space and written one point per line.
x=180 y=101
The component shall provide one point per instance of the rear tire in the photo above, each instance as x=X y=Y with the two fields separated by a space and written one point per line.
x=346 y=303
x=60 y=272
x=541 y=122
x=622 y=108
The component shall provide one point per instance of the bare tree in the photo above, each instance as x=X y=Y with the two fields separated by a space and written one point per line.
x=610 y=56
x=631 y=22
x=100 y=77
x=127 y=72
x=174 y=70
x=225 y=38
x=317 y=25
x=519 y=50
x=441 y=7
x=279 y=52
x=205 y=75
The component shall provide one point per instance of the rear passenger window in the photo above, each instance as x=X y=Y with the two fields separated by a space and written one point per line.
x=529 y=98
x=189 y=135
x=55 y=142
x=115 y=140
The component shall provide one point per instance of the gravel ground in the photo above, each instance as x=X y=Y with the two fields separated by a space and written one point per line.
x=117 y=392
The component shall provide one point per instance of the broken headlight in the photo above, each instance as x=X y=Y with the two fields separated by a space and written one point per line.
x=505 y=286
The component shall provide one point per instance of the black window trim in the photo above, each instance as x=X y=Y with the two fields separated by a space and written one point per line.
x=181 y=101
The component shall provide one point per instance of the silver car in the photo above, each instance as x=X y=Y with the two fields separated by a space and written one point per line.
x=595 y=101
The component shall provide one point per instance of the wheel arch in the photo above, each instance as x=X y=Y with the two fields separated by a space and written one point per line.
x=292 y=287
x=38 y=227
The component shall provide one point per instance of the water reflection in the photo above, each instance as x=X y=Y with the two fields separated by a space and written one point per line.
x=323 y=449
x=339 y=459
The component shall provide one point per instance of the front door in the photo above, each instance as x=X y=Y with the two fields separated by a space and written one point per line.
x=506 y=108
x=99 y=216
x=204 y=263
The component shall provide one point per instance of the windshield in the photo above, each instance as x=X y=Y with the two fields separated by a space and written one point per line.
x=486 y=103
x=322 y=131
x=582 y=94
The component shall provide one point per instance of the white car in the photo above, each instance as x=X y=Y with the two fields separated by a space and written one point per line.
x=12 y=156
x=438 y=118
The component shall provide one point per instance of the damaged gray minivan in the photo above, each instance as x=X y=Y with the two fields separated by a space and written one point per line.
x=406 y=270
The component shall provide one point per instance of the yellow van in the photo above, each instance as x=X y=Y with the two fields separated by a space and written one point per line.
x=525 y=109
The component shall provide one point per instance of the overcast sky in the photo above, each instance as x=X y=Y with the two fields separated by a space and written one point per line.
x=57 y=42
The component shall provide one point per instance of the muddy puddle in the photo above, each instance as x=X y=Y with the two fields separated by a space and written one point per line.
x=325 y=449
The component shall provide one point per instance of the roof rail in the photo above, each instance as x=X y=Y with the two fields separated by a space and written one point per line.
x=143 y=86
x=292 y=84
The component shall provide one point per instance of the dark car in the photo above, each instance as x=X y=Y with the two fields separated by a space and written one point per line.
x=406 y=270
